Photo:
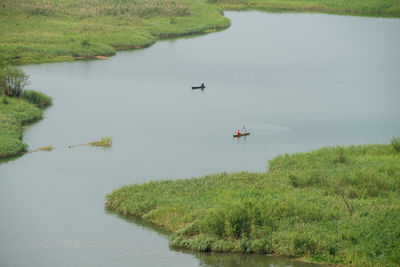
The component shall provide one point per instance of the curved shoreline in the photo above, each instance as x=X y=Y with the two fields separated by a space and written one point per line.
x=179 y=240
x=161 y=37
x=102 y=36
x=312 y=9
x=300 y=208
x=15 y=115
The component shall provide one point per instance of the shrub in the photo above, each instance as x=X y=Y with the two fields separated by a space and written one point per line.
x=12 y=81
x=172 y=20
x=245 y=245
x=395 y=142
x=294 y=181
x=85 y=43
x=214 y=222
x=232 y=221
x=39 y=99
x=4 y=100
x=340 y=158
x=10 y=146
x=237 y=222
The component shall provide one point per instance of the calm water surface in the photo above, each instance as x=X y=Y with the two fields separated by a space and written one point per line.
x=298 y=81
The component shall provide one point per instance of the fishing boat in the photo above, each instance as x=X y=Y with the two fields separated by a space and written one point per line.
x=241 y=134
x=202 y=86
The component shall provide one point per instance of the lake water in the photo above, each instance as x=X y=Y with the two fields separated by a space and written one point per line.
x=297 y=81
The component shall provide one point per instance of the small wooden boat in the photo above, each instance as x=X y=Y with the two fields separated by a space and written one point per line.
x=199 y=87
x=241 y=134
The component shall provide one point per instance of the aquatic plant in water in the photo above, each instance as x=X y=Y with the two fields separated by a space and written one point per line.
x=104 y=142
x=45 y=148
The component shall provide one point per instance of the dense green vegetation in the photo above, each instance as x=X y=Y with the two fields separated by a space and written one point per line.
x=34 y=31
x=17 y=107
x=337 y=205
x=15 y=112
x=36 y=98
x=389 y=8
x=51 y=30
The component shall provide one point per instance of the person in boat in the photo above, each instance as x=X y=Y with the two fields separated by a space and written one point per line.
x=238 y=132
x=244 y=129
x=202 y=86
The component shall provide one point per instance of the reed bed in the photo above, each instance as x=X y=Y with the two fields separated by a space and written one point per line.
x=93 y=8
x=37 y=98
x=386 y=8
x=35 y=31
x=336 y=205
x=15 y=112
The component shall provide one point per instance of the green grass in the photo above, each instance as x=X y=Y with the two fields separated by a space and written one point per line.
x=33 y=31
x=338 y=205
x=16 y=112
x=389 y=8
x=37 y=98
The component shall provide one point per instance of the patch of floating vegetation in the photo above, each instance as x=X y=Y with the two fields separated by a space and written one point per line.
x=104 y=142
x=45 y=148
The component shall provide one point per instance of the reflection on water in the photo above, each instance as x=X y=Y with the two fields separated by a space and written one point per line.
x=220 y=259
x=137 y=222
x=5 y=160
x=241 y=260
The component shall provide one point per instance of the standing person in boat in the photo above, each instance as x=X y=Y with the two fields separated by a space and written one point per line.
x=244 y=129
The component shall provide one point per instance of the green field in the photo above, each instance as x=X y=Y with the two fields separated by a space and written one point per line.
x=389 y=8
x=33 y=31
x=338 y=205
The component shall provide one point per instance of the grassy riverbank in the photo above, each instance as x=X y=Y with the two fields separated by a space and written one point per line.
x=389 y=8
x=14 y=113
x=334 y=205
x=48 y=30
x=33 y=31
